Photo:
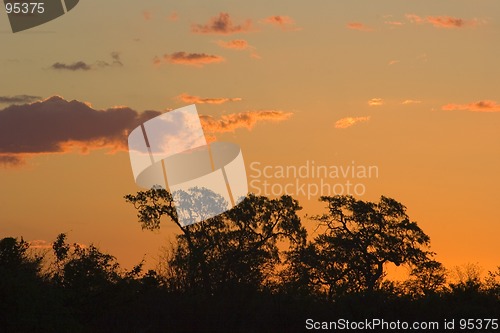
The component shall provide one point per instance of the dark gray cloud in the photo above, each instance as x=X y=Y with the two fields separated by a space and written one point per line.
x=11 y=160
x=56 y=125
x=115 y=62
x=76 y=66
x=18 y=99
x=83 y=66
x=193 y=59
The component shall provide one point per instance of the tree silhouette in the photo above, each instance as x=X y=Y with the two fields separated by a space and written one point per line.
x=249 y=269
x=359 y=238
x=26 y=296
x=239 y=247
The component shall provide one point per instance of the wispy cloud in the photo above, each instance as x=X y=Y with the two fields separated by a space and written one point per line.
x=76 y=66
x=481 y=106
x=441 y=21
x=18 y=99
x=393 y=62
x=191 y=59
x=116 y=61
x=358 y=26
x=283 y=22
x=147 y=15
x=236 y=44
x=246 y=119
x=411 y=101
x=11 y=160
x=350 y=121
x=43 y=244
x=394 y=23
x=174 y=16
x=40 y=244
x=414 y=18
x=200 y=100
x=375 y=102
x=448 y=22
x=55 y=125
x=222 y=25
x=83 y=66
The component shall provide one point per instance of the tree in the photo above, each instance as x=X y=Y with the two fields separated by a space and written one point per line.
x=83 y=269
x=237 y=248
x=359 y=239
x=427 y=277
x=25 y=295
x=492 y=283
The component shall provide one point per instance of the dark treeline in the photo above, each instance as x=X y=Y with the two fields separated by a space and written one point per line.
x=251 y=269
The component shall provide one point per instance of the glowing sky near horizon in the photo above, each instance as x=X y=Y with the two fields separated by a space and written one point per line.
x=411 y=87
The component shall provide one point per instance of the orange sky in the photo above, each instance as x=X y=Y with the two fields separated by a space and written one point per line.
x=411 y=88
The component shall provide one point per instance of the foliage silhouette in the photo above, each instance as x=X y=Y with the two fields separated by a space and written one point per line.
x=237 y=248
x=359 y=239
x=250 y=269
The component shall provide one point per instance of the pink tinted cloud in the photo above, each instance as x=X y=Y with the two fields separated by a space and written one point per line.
x=236 y=44
x=191 y=59
x=173 y=16
x=186 y=98
x=447 y=22
x=394 y=23
x=147 y=15
x=246 y=119
x=358 y=26
x=281 y=21
x=350 y=121
x=222 y=25
x=481 y=106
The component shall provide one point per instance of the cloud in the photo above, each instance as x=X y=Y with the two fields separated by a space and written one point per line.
x=116 y=58
x=375 y=102
x=441 y=21
x=255 y=55
x=393 y=62
x=116 y=61
x=222 y=25
x=43 y=244
x=192 y=59
x=11 y=160
x=358 y=26
x=173 y=16
x=40 y=244
x=76 y=66
x=55 y=125
x=83 y=66
x=147 y=15
x=411 y=101
x=481 y=106
x=394 y=23
x=199 y=100
x=283 y=22
x=414 y=18
x=247 y=119
x=447 y=22
x=18 y=99
x=237 y=44
x=350 y=121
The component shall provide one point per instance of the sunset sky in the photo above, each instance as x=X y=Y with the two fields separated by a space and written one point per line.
x=410 y=87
